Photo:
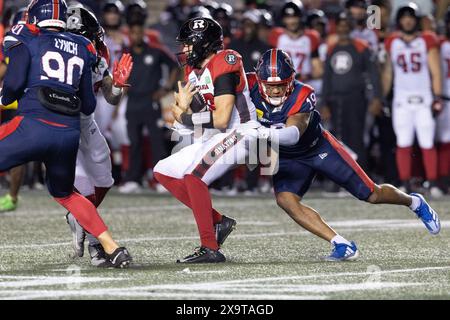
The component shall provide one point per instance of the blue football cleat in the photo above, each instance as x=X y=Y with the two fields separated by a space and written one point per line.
x=343 y=252
x=428 y=216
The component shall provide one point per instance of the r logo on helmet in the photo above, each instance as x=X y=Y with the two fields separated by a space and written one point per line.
x=231 y=58
x=198 y=25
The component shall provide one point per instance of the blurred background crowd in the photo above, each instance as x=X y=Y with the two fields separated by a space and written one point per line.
x=353 y=100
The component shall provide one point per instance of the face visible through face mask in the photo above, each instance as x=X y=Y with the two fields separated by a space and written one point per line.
x=276 y=93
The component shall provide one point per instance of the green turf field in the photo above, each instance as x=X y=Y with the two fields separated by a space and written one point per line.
x=269 y=256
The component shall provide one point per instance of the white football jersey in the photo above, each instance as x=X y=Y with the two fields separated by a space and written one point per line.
x=300 y=50
x=445 y=62
x=410 y=62
x=226 y=61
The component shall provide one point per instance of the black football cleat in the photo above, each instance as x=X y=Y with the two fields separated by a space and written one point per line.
x=224 y=228
x=120 y=258
x=98 y=255
x=204 y=255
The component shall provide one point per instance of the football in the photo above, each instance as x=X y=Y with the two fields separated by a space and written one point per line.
x=198 y=103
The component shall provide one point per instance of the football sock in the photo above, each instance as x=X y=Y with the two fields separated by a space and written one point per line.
x=430 y=163
x=178 y=189
x=202 y=209
x=125 y=150
x=415 y=203
x=100 y=194
x=339 y=239
x=85 y=213
x=404 y=163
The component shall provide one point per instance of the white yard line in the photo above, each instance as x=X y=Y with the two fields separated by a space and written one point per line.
x=124 y=292
x=318 y=276
x=232 y=289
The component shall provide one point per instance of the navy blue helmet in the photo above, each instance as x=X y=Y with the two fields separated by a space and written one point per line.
x=275 y=68
x=20 y=17
x=48 y=13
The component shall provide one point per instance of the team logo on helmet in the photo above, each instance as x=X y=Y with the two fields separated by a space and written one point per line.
x=74 y=21
x=198 y=25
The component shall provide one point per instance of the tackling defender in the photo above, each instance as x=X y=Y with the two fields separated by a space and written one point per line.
x=93 y=174
x=219 y=77
x=50 y=75
x=286 y=109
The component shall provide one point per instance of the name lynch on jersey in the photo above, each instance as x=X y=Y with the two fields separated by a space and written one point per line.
x=67 y=46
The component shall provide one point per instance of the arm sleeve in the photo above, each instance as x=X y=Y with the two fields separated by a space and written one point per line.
x=86 y=92
x=226 y=84
x=288 y=136
x=16 y=75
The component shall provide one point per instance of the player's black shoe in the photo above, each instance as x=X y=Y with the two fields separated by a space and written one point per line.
x=98 y=256
x=204 y=255
x=224 y=228
x=120 y=258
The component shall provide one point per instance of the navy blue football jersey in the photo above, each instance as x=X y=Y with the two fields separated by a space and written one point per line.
x=301 y=100
x=45 y=58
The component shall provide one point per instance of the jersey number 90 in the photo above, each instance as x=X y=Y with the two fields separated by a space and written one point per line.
x=54 y=67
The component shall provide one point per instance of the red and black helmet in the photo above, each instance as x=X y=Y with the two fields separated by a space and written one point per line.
x=206 y=37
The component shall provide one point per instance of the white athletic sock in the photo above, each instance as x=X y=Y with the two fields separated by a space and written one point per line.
x=415 y=203
x=339 y=239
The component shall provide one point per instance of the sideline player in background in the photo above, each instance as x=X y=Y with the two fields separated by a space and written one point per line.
x=50 y=75
x=286 y=109
x=219 y=77
x=9 y=201
x=414 y=69
x=93 y=174
x=301 y=44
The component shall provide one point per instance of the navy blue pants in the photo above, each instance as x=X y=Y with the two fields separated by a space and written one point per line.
x=330 y=159
x=25 y=139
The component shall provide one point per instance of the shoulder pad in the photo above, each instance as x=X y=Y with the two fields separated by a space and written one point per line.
x=388 y=41
x=20 y=33
x=301 y=103
x=314 y=36
x=431 y=39
x=225 y=61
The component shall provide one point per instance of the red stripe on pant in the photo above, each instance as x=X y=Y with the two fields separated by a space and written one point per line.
x=211 y=157
x=349 y=160
x=9 y=127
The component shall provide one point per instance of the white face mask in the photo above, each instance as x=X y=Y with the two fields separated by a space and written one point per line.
x=276 y=101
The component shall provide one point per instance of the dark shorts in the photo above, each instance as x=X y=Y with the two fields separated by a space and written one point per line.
x=25 y=139
x=330 y=159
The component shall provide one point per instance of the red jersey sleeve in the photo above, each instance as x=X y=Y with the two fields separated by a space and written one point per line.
x=431 y=40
